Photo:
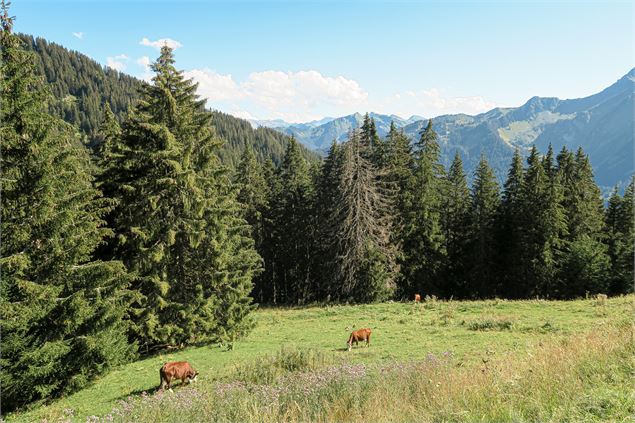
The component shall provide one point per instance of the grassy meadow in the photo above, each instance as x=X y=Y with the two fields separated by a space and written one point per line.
x=490 y=360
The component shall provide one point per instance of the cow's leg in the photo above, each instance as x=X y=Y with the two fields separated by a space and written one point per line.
x=368 y=340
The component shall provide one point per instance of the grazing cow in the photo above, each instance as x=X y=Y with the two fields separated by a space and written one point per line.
x=359 y=335
x=177 y=370
x=417 y=298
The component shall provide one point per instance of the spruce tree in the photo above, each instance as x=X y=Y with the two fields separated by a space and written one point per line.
x=61 y=311
x=374 y=146
x=178 y=226
x=399 y=165
x=509 y=233
x=482 y=272
x=543 y=227
x=620 y=239
x=398 y=181
x=424 y=249
x=253 y=195
x=293 y=208
x=267 y=288
x=456 y=228
x=584 y=264
x=108 y=178
x=365 y=264
x=326 y=204
x=548 y=163
x=368 y=135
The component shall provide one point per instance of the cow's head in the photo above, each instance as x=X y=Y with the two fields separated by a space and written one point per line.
x=192 y=376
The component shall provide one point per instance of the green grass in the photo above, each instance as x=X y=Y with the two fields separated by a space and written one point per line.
x=308 y=339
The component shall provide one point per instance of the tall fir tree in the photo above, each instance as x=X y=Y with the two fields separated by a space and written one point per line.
x=267 y=288
x=61 y=311
x=253 y=193
x=543 y=228
x=620 y=224
x=365 y=265
x=107 y=180
x=377 y=148
x=254 y=196
x=326 y=204
x=293 y=208
x=482 y=259
x=456 y=228
x=179 y=228
x=399 y=165
x=548 y=163
x=424 y=246
x=584 y=266
x=399 y=180
x=509 y=233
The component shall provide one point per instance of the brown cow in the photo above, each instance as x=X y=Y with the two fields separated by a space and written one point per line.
x=177 y=370
x=417 y=298
x=359 y=335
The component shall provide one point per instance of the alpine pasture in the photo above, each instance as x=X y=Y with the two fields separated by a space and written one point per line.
x=494 y=360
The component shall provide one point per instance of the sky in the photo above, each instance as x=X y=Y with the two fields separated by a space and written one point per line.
x=306 y=60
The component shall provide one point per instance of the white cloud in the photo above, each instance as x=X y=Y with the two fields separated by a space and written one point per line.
x=144 y=62
x=117 y=62
x=308 y=95
x=304 y=90
x=293 y=96
x=432 y=102
x=434 y=98
x=214 y=86
x=79 y=35
x=173 y=44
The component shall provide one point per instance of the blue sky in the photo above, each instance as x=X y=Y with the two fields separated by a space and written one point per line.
x=299 y=60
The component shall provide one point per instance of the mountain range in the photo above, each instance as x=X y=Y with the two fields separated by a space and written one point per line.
x=602 y=124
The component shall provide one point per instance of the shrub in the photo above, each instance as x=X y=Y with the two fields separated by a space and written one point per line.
x=490 y=323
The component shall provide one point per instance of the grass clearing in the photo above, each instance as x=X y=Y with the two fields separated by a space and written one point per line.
x=508 y=360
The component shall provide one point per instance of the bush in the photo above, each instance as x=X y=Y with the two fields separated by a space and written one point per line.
x=490 y=323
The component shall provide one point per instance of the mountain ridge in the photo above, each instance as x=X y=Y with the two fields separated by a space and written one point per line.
x=80 y=87
x=601 y=123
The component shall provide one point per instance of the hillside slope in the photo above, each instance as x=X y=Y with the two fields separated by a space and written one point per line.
x=81 y=87
x=602 y=124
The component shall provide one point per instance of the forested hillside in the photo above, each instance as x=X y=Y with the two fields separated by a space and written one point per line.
x=266 y=143
x=81 y=87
